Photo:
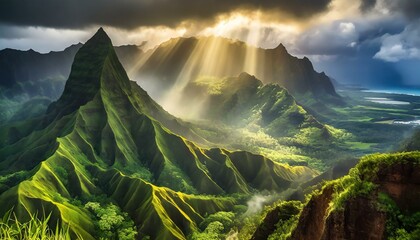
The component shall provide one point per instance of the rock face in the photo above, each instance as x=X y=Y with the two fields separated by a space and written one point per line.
x=402 y=183
x=283 y=212
x=360 y=217
x=361 y=205
x=312 y=219
x=359 y=220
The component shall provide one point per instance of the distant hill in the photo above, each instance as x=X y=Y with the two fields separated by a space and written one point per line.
x=242 y=100
x=182 y=60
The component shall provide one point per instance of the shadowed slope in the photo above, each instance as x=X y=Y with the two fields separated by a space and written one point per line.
x=191 y=58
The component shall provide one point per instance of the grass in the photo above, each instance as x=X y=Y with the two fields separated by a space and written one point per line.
x=35 y=228
x=360 y=145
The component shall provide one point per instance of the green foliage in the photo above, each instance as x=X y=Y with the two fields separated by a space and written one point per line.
x=213 y=231
x=349 y=187
x=400 y=225
x=226 y=218
x=12 y=179
x=111 y=222
x=360 y=181
x=62 y=173
x=36 y=229
x=248 y=226
x=289 y=215
x=370 y=164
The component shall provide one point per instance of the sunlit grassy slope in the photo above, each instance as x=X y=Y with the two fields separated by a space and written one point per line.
x=243 y=113
x=102 y=137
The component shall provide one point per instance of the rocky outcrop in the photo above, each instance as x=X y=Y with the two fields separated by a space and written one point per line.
x=381 y=189
x=360 y=217
x=312 y=219
x=359 y=220
x=402 y=183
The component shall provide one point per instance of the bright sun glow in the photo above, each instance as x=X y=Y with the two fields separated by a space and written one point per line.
x=252 y=29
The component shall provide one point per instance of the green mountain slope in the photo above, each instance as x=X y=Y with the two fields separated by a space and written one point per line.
x=102 y=137
x=244 y=99
x=29 y=76
x=262 y=118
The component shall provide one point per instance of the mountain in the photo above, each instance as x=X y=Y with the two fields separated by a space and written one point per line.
x=245 y=99
x=102 y=137
x=28 y=76
x=33 y=73
x=261 y=118
x=181 y=60
x=377 y=200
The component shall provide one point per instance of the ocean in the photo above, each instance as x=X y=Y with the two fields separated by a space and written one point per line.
x=406 y=91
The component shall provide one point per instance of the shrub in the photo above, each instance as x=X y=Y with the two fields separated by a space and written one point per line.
x=111 y=222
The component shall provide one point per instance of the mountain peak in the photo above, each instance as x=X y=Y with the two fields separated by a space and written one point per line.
x=281 y=47
x=101 y=36
x=94 y=59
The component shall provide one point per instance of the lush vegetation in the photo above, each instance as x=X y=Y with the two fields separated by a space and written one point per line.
x=400 y=225
x=242 y=113
x=362 y=180
x=35 y=228
x=111 y=222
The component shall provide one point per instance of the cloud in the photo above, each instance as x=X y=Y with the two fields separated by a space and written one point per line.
x=252 y=29
x=367 y=5
x=410 y=8
x=41 y=39
x=131 y=14
x=401 y=46
x=330 y=39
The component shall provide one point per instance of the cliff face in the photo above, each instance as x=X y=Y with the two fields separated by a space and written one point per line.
x=402 y=183
x=313 y=215
x=377 y=200
x=361 y=215
x=359 y=220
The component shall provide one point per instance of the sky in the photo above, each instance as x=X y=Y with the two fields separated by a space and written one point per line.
x=369 y=43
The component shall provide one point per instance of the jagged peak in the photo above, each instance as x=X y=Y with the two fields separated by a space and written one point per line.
x=281 y=47
x=86 y=74
x=246 y=77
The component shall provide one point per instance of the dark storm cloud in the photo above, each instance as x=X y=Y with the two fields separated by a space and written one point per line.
x=134 y=13
x=410 y=8
x=366 y=5
x=11 y=32
x=345 y=37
